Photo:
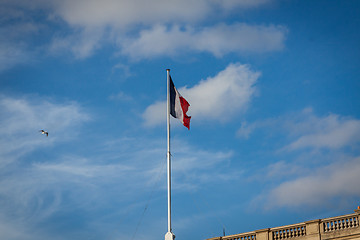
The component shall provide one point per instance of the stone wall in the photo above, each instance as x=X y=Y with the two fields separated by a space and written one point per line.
x=344 y=227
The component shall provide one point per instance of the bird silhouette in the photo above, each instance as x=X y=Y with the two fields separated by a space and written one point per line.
x=44 y=132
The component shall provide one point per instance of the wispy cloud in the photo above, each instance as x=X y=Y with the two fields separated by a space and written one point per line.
x=231 y=4
x=81 y=44
x=122 y=13
x=324 y=171
x=218 y=40
x=332 y=132
x=304 y=129
x=22 y=118
x=162 y=29
x=14 y=49
x=120 y=96
x=13 y=230
x=195 y=167
x=12 y=55
x=210 y=98
x=119 y=171
x=331 y=185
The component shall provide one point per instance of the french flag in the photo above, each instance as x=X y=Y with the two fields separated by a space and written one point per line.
x=178 y=106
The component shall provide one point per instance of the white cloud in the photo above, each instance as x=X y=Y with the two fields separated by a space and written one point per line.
x=307 y=130
x=156 y=40
x=240 y=37
x=81 y=44
x=155 y=114
x=329 y=185
x=332 y=132
x=211 y=97
x=120 y=13
x=93 y=23
x=325 y=170
x=231 y=4
x=218 y=40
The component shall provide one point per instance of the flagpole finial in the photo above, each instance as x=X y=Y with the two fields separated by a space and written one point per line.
x=168 y=69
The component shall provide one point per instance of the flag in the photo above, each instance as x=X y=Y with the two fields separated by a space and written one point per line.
x=178 y=106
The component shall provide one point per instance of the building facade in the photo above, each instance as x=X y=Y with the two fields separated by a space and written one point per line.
x=345 y=227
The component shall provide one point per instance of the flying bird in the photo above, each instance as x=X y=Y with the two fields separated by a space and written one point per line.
x=44 y=132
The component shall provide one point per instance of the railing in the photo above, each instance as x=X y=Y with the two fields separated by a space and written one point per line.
x=297 y=230
x=339 y=223
x=328 y=227
x=242 y=236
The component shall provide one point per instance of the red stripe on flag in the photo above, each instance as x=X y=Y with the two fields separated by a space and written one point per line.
x=185 y=106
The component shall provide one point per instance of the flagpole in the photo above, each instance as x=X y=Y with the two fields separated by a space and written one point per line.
x=169 y=235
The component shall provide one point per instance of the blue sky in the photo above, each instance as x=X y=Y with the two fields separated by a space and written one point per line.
x=275 y=131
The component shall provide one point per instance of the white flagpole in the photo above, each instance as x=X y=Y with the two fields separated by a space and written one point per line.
x=169 y=235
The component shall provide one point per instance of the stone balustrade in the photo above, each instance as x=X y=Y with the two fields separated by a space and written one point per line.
x=344 y=227
x=243 y=236
x=340 y=223
x=289 y=231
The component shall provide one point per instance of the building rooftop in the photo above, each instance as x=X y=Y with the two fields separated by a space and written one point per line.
x=345 y=227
